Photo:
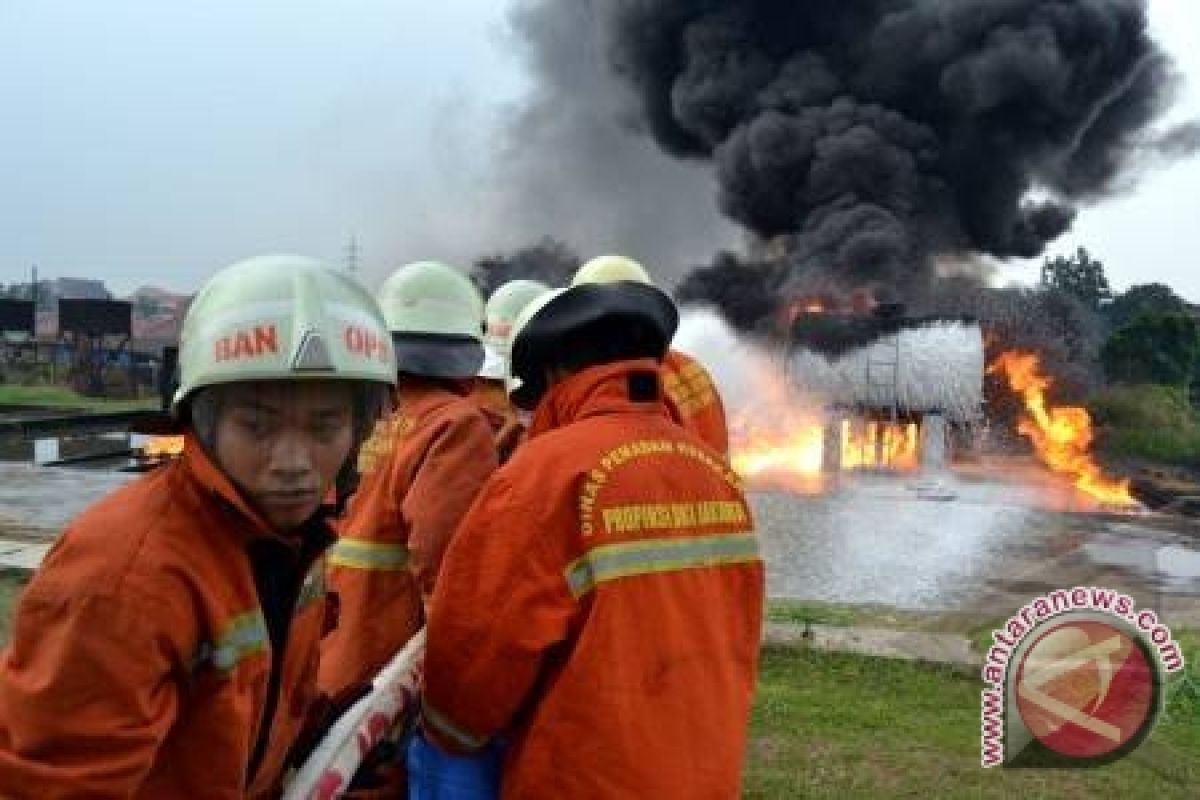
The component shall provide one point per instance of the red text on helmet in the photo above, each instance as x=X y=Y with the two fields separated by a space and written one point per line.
x=363 y=342
x=258 y=341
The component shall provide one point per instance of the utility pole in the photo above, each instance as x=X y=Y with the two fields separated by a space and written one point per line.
x=352 y=256
x=33 y=289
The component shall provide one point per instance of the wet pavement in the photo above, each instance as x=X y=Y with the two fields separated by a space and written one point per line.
x=37 y=502
x=1010 y=533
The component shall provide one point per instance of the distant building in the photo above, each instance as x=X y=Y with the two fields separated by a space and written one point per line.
x=77 y=289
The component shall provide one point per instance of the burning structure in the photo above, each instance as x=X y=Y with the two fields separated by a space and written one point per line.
x=889 y=384
x=850 y=391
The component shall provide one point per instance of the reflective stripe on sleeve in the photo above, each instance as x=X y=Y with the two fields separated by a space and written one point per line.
x=367 y=555
x=244 y=636
x=654 y=556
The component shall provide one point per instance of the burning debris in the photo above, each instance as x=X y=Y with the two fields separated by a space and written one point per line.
x=162 y=447
x=153 y=452
x=1061 y=435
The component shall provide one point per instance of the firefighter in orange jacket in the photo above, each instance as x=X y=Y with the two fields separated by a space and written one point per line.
x=600 y=608
x=501 y=312
x=168 y=645
x=691 y=394
x=420 y=471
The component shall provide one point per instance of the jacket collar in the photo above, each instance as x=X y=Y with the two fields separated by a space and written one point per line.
x=596 y=390
x=416 y=395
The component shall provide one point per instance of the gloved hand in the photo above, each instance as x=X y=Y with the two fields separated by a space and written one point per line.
x=437 y=775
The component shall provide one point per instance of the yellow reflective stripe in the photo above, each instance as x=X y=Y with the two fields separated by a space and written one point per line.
x=245 y=635
x=650 y=556
x=364 y=554
x=444 y=726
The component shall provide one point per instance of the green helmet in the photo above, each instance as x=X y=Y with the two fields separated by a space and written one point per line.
x=282 y=317
x=514 y=383
x=502 y=309
x=610 y=269
x=435 y=315
x=431 y=298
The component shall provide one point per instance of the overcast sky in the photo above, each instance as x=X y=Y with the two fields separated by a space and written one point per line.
x=144 y=142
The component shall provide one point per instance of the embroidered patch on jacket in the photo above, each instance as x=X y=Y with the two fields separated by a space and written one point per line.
x=382 y=441
x=690 y=390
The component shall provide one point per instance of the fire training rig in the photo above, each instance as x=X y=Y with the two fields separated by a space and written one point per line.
x=891 y=384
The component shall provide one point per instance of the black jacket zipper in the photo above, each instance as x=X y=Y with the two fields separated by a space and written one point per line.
x=279 y=575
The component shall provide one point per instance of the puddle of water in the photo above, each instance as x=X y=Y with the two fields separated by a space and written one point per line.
x=46 y=498
x=1174 y=567
x=876 y=541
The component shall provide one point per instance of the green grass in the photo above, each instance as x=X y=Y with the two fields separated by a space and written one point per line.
x=842 y=726
x=60 y=397
x=795 y=612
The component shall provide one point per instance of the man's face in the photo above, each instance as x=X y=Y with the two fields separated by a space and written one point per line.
x=283 y=443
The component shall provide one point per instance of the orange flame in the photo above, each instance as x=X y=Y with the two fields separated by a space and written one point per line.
x=1061 y=435
x=797 y=455
x=804 y=305
x=163 y=446
x=798 y=451
x=880 y=445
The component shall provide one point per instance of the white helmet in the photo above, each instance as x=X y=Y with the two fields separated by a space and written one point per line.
x=502 y=309
x=435 y=315
x=282 y=317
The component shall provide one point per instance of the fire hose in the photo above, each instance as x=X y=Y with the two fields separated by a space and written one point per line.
x=327 y=772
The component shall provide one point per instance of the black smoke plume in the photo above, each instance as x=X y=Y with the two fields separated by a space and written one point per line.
x=862 y=138
x=741 y=290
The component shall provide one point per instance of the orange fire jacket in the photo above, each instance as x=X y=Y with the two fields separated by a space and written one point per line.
x=507 y=430
x=145 y=657
x=420 y=469
x=693 y=400
x=600 y=608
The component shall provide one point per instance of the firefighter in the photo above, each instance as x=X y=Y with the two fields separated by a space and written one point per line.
x=691 y=393
x=599 y=611
x=168 y=645
x=502 y=309
x=419 y=473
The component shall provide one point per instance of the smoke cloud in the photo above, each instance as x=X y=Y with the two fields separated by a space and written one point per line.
x=572 y=163
x=862 y=139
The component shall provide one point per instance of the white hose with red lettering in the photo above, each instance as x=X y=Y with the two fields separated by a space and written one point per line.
x=328 y=771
